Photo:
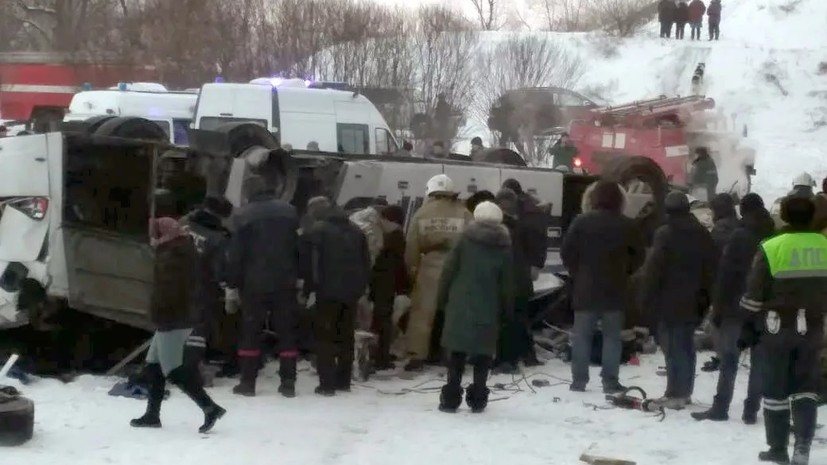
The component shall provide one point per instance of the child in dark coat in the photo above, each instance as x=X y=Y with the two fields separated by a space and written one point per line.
x=475 y=289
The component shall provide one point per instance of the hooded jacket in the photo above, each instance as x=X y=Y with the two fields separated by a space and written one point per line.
x=172 y=285
x=335 y=258
x=736 y=261
x=210 y=239
x=601 y=250
x=262 y=257
x=475 y=289
x=725 y=221
x=679 y=271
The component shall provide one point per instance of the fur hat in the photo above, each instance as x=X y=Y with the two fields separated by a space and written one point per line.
x=676 y=203
x=797 y=211
x=488 y=212
x=751 y=202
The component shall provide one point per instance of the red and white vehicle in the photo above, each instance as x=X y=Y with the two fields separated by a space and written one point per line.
x=37 y=87
x=665 y=130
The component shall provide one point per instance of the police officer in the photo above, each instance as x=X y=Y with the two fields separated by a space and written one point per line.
x=433 y=230
x=205 y=226
x=262 y=264
x=787 y=291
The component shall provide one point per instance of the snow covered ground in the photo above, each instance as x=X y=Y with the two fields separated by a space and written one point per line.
x=764 y=71
x=80 y=423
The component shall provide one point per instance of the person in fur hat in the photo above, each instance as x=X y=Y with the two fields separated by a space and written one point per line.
x=175 y=258
x=475 y=290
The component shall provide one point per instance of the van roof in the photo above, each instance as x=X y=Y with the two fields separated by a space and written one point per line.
x=337 y=95
x=134 y=103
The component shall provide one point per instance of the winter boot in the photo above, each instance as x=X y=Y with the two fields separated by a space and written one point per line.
x=157 y=384
x=249 y=372
x=477 y=397
x=450 y=398
x=717 y=413
x=189 y=380
x=804 y=413
x=325 y=391
x=287 y=373
x=777 y=424
x=613 y=387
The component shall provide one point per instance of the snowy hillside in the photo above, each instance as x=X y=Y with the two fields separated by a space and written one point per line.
x=763 y=71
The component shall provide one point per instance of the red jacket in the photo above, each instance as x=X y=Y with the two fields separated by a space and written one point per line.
x=696 y=11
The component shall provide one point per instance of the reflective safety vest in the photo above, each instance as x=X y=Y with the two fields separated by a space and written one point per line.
x=797 y=255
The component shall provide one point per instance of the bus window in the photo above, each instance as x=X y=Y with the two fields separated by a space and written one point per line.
x=385 y=145
x=179 y=131
x=353 y=138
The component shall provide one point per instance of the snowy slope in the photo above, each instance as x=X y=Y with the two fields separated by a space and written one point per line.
x=79 y=423
x=760 y=39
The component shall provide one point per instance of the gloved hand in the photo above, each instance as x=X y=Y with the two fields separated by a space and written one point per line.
x=535 y=273
x=232 y=301
x=750 y=333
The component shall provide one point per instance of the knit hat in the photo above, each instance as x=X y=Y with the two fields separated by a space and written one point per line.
x=488 y=212
x=676 y=203
x=751 y=202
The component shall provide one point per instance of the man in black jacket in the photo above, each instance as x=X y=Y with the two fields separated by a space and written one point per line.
x=262 y=264
x=666 y=17
x=787 y=295
x=703 y=175
x=725 y=221
x=210 y=237
x=601 y=249
x=336 y=268
x=756 y=225
x=677 y=285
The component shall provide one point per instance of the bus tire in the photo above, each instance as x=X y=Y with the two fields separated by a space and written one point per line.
x=625 y=169
x=94 y=123
x=243 y=136
x=132 y=128
x=16 y=421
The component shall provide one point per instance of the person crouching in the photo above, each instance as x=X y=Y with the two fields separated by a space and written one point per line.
x=175 y=258
x=475 y=289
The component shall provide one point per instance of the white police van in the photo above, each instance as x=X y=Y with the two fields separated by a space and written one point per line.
x=298 y=113
x=172 y=111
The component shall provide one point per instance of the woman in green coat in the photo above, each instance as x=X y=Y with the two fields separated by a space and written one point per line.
x=475 y=290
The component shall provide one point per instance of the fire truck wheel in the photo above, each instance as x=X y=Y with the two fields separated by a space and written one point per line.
x=16 y=421
x=132 y=128
x=94 y=123
x=626 y=171
x=242 y=136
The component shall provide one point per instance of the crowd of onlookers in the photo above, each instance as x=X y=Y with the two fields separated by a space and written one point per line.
x=677 y=14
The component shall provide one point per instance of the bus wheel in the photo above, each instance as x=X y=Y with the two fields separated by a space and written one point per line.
x=242 y=136
x=94 y=123
x=132 y=128
x=646 y=188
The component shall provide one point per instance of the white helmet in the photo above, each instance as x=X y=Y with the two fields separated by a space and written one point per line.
x=804 y=179
x=440 y=184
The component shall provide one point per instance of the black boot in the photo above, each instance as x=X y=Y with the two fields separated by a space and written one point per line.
x=804 y=414
x=287 y=373
x=450 y=398
x=157 y=383
x=777 y=424
x=189 y=380
x=248 y=367
x=717 y=413
x=477 y=397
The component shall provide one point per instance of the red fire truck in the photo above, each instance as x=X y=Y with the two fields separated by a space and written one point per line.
x=659 y=129
x=37 y=87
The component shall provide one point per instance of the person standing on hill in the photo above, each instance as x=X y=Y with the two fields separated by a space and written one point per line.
x=714 y=13
x=681 y=18
x=696 y=18
x=666 y=16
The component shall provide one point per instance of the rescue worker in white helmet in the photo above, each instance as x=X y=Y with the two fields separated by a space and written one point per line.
x=803 y=186
x=433 y=231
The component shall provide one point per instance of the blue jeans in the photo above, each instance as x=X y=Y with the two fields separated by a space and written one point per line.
x=728 y=353
x=581 y=351
x=678 y=343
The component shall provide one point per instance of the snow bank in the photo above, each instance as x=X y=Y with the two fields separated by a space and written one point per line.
x=80 y=423
x=763 y=73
